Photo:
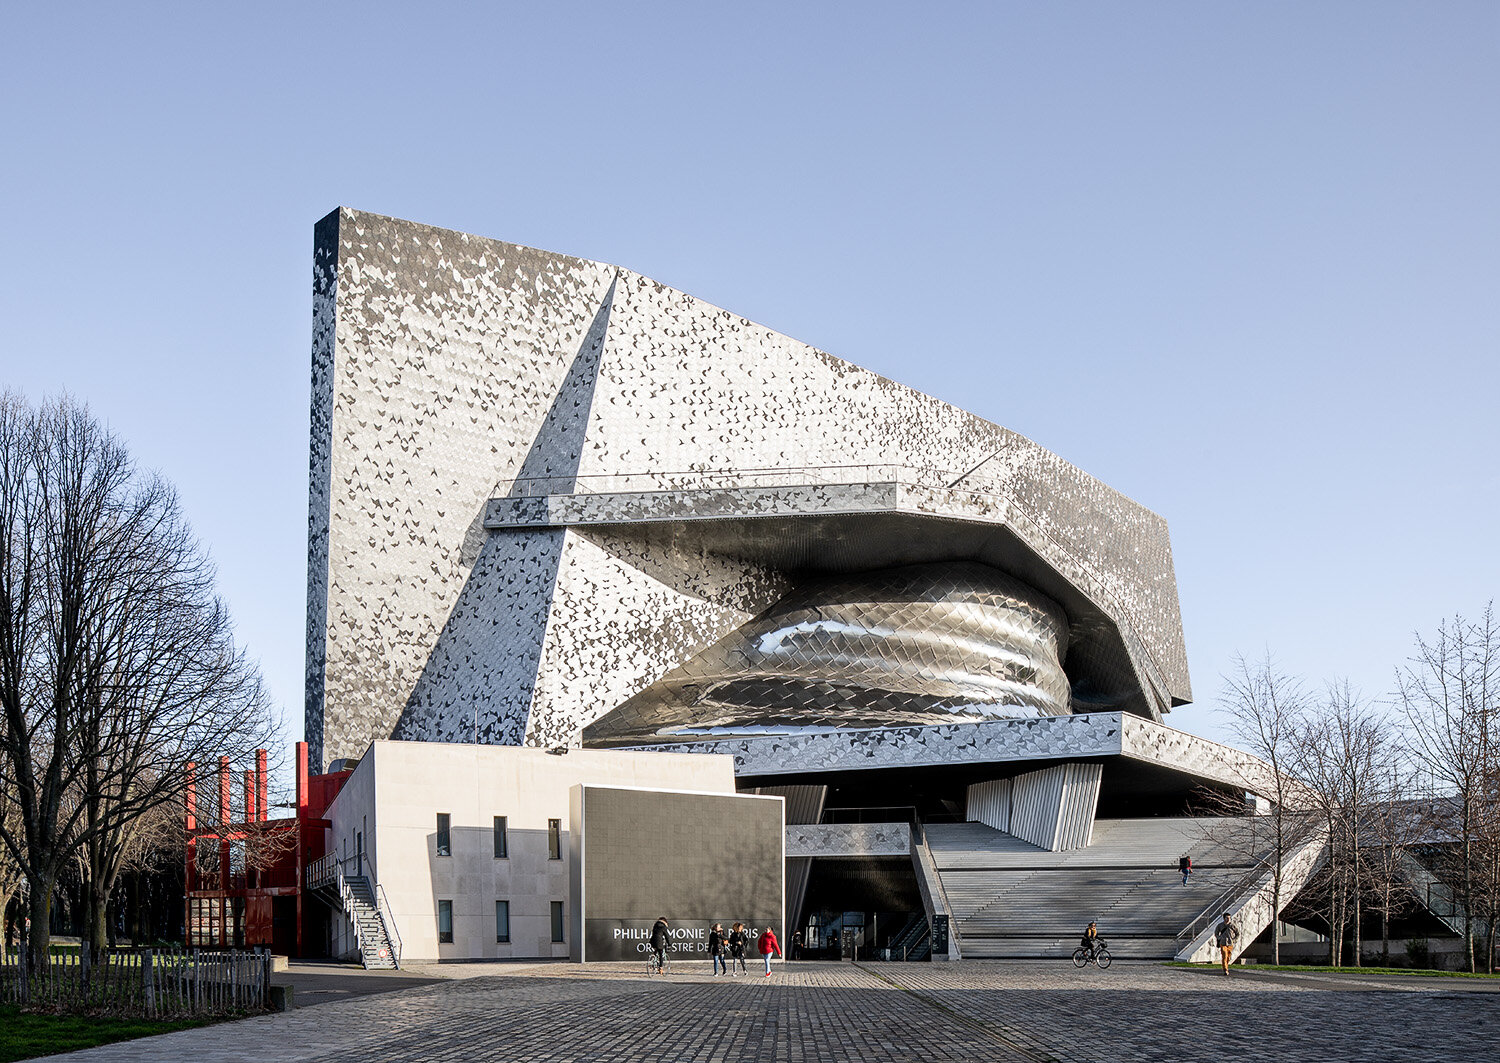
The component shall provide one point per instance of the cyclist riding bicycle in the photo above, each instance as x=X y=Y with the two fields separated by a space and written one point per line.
x=1091 y=949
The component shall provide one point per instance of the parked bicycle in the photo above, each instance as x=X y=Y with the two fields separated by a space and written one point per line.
x=1097 y=955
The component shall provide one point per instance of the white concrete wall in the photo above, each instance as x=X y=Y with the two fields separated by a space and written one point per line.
x=989 y=803
x=1052 y=807
x=357 y=802
x=402 y=786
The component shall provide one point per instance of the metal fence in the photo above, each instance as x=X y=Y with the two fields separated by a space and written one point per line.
x=153 y=982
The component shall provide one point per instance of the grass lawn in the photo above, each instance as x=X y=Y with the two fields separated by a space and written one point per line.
x=24 y=1036
x=1407 y=971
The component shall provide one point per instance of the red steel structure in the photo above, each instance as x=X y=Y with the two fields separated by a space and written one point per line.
x=252 y=892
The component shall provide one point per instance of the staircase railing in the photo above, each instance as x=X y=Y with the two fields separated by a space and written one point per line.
x=383 y=909
x=1256 y=909
x=1216 y=907
x=1422 y=881
x=351 y=912
x=930 y=885
x=323 y=872
x=1241 y=885
x=910 y=940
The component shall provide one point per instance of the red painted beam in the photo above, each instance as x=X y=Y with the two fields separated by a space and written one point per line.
x=261 y=785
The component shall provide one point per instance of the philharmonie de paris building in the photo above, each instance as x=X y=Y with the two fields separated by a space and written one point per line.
x=623 y=606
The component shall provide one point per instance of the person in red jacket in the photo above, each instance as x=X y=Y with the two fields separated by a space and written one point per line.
x=768 y=945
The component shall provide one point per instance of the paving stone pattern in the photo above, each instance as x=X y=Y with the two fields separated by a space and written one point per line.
x=813 y=1012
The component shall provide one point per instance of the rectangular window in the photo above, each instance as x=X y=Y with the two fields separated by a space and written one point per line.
x=502 y=921
x=444 y=835
x=500 y=849
x=554 y=839
x=445 y=922
x=557 y=919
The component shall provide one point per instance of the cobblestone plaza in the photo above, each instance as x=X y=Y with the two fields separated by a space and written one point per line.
x=1026 y=1011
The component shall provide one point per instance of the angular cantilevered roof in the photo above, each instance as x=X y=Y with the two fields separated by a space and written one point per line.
x=540 y=484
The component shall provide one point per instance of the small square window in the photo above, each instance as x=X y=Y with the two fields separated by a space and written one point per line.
x=557 y=921
x=445 y=922
x=502 y=921
x=501 y=847
x=554 y=839
x=444 y=835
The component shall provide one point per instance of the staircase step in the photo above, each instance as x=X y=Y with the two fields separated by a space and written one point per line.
x=1008 y=897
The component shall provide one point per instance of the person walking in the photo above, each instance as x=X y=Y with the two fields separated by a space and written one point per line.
x=767 y=945
x=797 y=945
x=1185 y=865
x=737 y=949
x=1225 y=935
x=659 y=939
x=716 y=945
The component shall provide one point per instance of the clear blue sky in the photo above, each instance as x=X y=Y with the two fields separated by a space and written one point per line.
x=1238 y=260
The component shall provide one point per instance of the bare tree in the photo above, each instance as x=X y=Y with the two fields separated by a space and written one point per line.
x=1266 y=707
x=167 y=688
x=117 y=664
x=1450 y=690
x=1395 y=828
x=10 y=874
x=1344 y=748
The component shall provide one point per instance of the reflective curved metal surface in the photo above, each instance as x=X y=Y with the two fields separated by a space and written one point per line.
x=923 y=644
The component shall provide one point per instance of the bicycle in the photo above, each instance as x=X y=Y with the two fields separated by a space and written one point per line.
x=1098 y=955
x=657 y=963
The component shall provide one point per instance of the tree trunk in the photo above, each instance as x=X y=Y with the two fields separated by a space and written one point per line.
x=1275 y=920
x=1335 y=927
x=1359 y=940
x=39 y=917
x=1276 y=886
x=98 y=904
x=1468 y=857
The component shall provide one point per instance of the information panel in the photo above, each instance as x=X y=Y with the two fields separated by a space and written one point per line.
x=695 y=859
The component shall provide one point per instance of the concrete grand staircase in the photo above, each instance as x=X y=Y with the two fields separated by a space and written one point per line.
x=1012 y=899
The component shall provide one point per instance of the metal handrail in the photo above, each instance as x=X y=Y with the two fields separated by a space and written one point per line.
x=322 y=871
x=383 y=909
x=1255 y=874
x=377 y=894
x=691 y=479
x=927 y=866
x=1216 y=906
x=833 y=815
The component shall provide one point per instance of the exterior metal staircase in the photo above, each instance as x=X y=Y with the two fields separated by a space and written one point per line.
x=360 y=902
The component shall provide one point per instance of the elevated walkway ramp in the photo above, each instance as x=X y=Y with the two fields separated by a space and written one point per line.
x=1010 y=898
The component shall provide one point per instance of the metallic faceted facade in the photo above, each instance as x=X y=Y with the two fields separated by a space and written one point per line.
x=923 y=644
x=541 y=486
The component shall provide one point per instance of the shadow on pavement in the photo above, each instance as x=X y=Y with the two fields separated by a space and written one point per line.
x=316 y=982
